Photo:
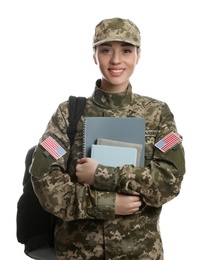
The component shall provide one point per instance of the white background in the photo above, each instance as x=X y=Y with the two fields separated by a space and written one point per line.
x=46 y=55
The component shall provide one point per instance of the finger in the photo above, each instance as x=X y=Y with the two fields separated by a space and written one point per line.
x=136 y=206
x=133 y=211
x=78 y=166
x=81 y=160
x=134 y=199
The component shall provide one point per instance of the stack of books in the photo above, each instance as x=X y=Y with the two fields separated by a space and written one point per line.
x=114 y=141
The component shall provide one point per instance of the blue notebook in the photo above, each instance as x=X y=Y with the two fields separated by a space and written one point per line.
x=125 y=129
x=114 y=156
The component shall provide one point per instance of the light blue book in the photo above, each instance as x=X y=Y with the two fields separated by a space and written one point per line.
x=114 y=156
x=110 y=142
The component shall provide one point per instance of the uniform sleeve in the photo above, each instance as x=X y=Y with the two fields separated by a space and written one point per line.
x=56 y=192
x=160 y=180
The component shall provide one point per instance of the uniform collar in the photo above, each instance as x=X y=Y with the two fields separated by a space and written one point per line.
x=111 y=100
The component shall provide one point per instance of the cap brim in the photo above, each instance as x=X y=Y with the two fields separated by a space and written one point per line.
x=113 y=40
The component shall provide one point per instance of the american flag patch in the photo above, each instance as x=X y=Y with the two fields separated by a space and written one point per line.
x=53 y=147
x=168 y=142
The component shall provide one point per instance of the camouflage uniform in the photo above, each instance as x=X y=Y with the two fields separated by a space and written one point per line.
x=87 y=227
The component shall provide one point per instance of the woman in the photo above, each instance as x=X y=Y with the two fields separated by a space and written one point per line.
x=111 y=212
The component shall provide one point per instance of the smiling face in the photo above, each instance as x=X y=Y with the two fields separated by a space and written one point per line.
x=116 y=61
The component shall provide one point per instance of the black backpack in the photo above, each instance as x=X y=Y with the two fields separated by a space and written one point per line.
x=34 y=225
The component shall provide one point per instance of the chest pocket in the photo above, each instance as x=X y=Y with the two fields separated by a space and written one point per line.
x=150 y=140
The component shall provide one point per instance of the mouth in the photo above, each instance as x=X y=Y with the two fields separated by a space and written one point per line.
x=115 y=72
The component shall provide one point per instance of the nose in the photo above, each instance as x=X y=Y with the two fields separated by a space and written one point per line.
x=116 y=58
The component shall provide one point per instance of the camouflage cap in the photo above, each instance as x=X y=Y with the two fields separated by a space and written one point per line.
x=117 y=29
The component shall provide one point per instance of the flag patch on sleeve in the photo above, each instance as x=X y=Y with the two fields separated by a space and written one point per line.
x=168 y=142
x=53 y=147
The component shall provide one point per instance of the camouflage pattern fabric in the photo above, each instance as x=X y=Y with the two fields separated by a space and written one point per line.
x=87 y=227
x=117 y=29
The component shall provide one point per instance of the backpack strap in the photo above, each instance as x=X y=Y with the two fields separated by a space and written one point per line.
x=76 y=110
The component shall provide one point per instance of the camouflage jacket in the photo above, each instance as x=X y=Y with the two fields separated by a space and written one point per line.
x=87 y=227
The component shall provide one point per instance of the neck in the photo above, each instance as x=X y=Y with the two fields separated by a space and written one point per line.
x=113 y=88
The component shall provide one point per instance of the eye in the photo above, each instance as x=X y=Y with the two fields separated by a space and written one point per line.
x=105 y=50
x=127 y=51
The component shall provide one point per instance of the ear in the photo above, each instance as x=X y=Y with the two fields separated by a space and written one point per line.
x=94 y=58
x=138 y=55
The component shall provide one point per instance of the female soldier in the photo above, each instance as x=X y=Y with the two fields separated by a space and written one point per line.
x=111 y=212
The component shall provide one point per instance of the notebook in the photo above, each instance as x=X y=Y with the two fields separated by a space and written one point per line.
x=138 y=147
x=125 y=129
x=114 y=156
